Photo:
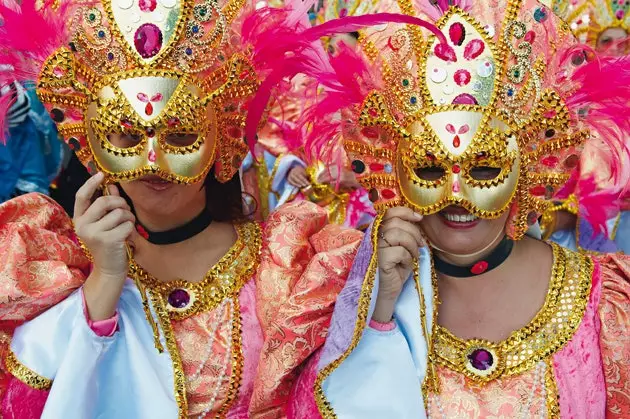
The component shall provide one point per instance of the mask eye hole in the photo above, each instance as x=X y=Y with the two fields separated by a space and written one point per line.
x=124 y=140
x=181 y=139
x=430 y=173
x=485 y=173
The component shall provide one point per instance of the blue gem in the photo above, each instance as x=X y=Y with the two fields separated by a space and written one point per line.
x=189 y=51
x=540 y=14
x=195 y=29
x=110 y=56
x=388 y=168
x=413 y=100
x=510 y=92
x=101 y=34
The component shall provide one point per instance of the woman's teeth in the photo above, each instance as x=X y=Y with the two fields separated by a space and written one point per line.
x=465 y=218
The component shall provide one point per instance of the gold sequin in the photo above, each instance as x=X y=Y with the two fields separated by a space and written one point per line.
x=25 y=374
x=546 y=334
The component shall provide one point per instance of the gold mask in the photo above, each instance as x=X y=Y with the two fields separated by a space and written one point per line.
x=475 y=126
x=164 y=76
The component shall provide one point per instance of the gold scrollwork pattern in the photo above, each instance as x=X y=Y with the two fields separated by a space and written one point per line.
x=25 y=374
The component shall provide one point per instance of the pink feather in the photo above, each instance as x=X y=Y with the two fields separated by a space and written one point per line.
x=436 y=9
x=283 y=49
x=597 y=206
x=28 y=36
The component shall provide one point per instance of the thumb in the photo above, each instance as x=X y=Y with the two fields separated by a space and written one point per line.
x=113 y=190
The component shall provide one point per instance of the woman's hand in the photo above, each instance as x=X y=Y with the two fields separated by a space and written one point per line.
x=297 y=177
x=399 y=238
x=104 y=225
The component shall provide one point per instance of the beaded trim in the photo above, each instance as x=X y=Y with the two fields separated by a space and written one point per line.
x=25 y=374
x=554 y=325
x=323 y=405
x=225 y=278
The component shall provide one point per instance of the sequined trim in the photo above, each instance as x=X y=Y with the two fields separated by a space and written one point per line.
x=237 y=360
x=554 y=325
x=551 y=391
x=179 y=377
x=323 y=405
x=225 y=278
x=25 y=374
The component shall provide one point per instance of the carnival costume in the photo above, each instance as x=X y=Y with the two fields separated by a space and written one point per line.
x=227 y=346
x=511 y=91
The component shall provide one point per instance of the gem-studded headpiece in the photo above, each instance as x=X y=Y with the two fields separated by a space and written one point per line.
x=141 y=87
x=599 y=23
x=494 y=123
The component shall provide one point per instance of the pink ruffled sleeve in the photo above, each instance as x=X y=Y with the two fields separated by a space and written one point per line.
x=40 y=265
x=304 y=266
x=614 y=312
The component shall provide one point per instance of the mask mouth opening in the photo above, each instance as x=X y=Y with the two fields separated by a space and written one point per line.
x=457 y=214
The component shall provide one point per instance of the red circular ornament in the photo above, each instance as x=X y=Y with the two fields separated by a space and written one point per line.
x=479 y=267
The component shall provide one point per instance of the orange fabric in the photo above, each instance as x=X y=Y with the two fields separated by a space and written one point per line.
x=614 y=312
x=304 y=265
x=40 y=262
x=508 y=397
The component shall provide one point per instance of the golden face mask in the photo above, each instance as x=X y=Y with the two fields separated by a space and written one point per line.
x=154 y=87
x=472 y=125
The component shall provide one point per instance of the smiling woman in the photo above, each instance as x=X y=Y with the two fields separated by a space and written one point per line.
x=159 y=299
x=448 y=294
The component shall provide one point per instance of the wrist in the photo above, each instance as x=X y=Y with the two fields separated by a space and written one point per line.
x=384 y=310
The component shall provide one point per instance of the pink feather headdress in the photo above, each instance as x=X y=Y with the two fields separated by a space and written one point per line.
x=556 y=97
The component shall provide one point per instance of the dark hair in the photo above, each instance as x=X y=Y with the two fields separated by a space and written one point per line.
x=354 y=34
x=224 y=201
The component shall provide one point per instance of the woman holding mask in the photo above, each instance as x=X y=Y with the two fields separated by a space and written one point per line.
x=187 y=309
x=485 y=322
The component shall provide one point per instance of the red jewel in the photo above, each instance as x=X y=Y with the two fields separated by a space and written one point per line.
x=456 y=169
x=479 y=267
x=244 y=75
x=148 y=109
x=538 y=191
x=173 y=122
x=370 y=132
x=142 y=231
x=388 y=194
x=373 y=113
x=126 y=123
x=456 y=141
x=376 y=167
x=235 y=132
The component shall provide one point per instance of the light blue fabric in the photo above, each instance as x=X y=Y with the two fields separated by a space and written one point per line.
x=31 y=159
x=122 y=376
x=382 y=377
x=280 y=183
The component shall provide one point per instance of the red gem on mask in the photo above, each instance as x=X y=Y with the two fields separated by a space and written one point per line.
x=474 y=49
x=376 y=167
x=148 y=109
x=388 y=194
x=445 y=52
x=479 y=267
x=173 y=122
x=147 y=5
x=530 y=37
x=125 y=123
x=150 y=132
x=462 y=77
x=538 y=191
x=456 y=141
x=152 y=156
x=457 y=33
x=456 y=169
x=370 y=132
x=373 y=113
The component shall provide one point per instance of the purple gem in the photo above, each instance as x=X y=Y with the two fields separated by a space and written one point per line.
x=179 y=298
x=481 y=359
x=148 y=40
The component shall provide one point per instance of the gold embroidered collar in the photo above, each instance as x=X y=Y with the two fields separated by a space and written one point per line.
x=185 y=299
x=553 y=326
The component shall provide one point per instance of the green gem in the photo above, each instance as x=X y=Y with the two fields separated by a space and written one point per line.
x=405 y=82
x=92 y=17
x=203 y=12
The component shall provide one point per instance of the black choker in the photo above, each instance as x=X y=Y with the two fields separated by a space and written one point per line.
x=178 y=234
x=494 y=259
